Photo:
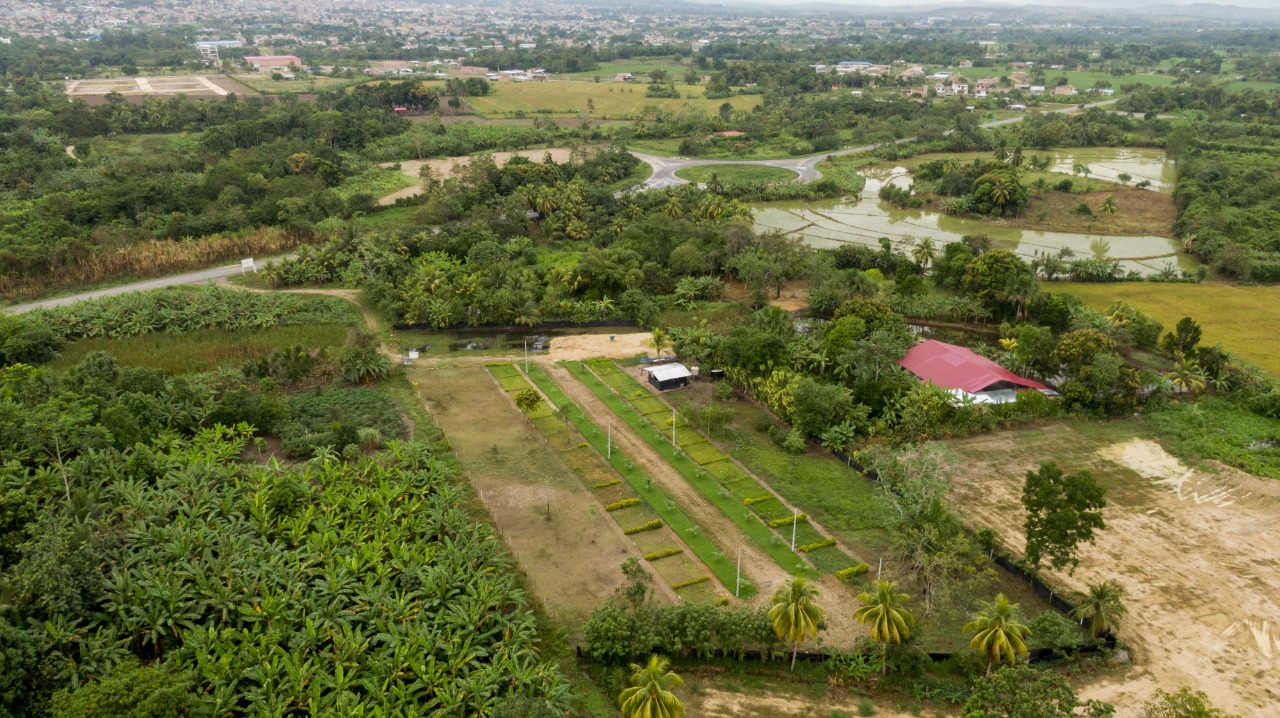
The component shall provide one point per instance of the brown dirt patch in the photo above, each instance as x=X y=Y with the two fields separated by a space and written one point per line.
x=795 y=296
x=777 y=702
x=578 y=547
x=1195 y=549
x=589 y=346
x=452 y=166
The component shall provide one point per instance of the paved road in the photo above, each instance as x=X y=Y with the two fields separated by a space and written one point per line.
x=199 y=277
x=665 y=168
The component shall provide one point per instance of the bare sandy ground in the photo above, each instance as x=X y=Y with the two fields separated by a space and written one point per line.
x=450 y=167
x=1195 y=549
x=715 y=703
x=590 y=346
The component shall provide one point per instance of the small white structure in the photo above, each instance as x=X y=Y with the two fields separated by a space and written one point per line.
x=668 y=376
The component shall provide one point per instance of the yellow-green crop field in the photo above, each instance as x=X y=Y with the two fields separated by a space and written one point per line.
x=609 y=99
x=1245 y=320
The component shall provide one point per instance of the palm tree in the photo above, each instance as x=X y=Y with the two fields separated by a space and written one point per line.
x=715 y=186
x=1187 y=377
x=998 y=633
x=924 y=252
x=1108 y=206
x=889 y=620
x=659 y=340
x=795 y=616
x=650 y=693
x=1021 y=290
x=1103 y=606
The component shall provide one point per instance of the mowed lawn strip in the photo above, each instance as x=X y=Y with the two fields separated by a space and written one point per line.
x=1235 y=317
x=740 y=515
x=679 y=522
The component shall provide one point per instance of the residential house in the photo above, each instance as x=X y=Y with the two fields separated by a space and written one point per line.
x=272 y=63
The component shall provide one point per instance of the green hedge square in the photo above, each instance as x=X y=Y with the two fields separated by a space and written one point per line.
x=513 y=383
x=704 y=453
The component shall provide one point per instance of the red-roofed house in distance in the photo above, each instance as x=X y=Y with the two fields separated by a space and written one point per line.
x=729 y=133
x=965 y=373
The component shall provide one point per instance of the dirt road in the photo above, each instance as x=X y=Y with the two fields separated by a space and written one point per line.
x=1195 y=549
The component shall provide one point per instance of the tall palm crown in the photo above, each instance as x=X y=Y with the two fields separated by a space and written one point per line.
x=884 y=611
x=795 y=616
x=650 y=693
x=1103 y=606
x=998 y=633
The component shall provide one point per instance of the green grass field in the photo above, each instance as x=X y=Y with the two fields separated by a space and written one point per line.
x=609 y=99
x=262 y=82
x=736 y=174
x=636 y=66
x=202 y=350
x=1085 y=80
x=1235 y=317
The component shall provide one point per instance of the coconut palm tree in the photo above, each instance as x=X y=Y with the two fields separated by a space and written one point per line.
x=924 y=252
x=1021 y=290
x=794 y=615
x=714 y=185
x=1187 y=377
x=1108 y=206
x=1103 y=606
x=649 y=695
x=998 y=633
x=883 y=610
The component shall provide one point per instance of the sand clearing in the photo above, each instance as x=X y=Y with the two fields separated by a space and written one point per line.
x=450 y=167
x=590 y=346
x=1196 y=553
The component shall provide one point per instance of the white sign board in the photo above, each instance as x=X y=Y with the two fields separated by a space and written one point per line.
x=248 y=264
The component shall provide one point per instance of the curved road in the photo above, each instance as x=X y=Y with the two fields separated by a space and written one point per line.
x=664 y=175
x=665 y=168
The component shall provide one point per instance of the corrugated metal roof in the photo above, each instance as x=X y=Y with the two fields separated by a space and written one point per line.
x=667 y=372
x=953 y=367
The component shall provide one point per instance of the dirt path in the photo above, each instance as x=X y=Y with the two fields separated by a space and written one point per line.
x=1195 y=551
x=758 y=566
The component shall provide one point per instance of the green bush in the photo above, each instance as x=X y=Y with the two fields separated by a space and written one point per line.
x=334 y=417
x=130 y=690
x=756 y=499
x=806 y=548
x=690 y=582
x=624 y=503
x=606 y=484
x=848 y=574
x=653 y=525
x=788 y=520
x=656 y=555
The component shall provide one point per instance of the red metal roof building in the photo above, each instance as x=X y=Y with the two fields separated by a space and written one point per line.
x=956 y=368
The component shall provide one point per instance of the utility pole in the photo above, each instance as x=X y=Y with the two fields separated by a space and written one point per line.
x=526 y=356
x=673 y=428
x=737 y=589
x=795 y=519
x=609 y=442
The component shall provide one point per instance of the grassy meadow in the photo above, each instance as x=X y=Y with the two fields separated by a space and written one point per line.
x=202 y=350
x=736 y=173
x=1236 y=317
x=609 y=99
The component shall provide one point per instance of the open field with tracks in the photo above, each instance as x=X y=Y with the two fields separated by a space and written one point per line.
x=1194 y=547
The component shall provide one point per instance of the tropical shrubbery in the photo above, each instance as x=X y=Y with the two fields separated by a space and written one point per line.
x=183 y=309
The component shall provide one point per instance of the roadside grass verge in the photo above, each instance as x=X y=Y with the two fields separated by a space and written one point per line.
x=675 y=568
x=729 y=505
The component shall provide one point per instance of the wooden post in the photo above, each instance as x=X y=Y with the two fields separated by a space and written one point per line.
x=795 y=519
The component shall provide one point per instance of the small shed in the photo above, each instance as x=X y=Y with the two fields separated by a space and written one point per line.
x=668 y=376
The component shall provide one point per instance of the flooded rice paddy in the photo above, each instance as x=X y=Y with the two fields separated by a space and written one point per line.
x=865 y=219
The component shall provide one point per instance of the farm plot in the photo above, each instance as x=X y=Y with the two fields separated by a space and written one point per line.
x=169 y=85
x=820 y=550
x=636 y=518
x=607 y=99
x=522 y=483
x=1193 y=546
